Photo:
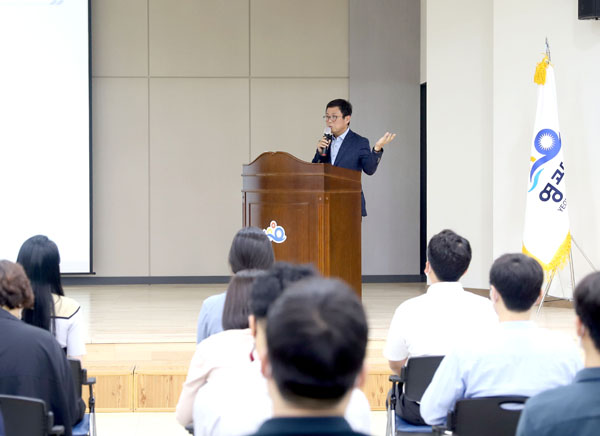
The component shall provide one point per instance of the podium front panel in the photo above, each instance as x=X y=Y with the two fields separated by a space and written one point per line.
x=317 y=206
x=294 y=219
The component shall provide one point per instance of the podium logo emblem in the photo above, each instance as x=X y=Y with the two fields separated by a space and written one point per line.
x=275 y=233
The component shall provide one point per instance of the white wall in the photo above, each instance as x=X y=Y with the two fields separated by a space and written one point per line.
x=487 y=84
x=459 y=126
x=575 y=50
x=186 y=92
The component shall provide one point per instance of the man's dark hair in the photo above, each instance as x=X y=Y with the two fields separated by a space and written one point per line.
x=250 y=249
x=449 y=255
x=316 y=340
x=237 y=299
x=518 y=279
x=587 y=305
x=344 y=105
x=269 y=286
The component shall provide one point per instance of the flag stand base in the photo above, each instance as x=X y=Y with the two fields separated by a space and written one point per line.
x=572 y=273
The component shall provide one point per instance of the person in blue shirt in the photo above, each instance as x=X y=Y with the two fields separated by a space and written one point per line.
x=515 y=358
x=250 y=249
x=573 y=409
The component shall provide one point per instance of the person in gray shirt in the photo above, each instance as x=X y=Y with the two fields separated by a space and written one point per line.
x=250 y=249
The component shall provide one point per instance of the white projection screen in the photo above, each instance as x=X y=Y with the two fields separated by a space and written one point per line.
x=45 y=128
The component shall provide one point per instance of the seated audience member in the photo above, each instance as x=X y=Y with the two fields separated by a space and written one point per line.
x=32 y=364
x=215 y=416
x=575 y=408
x=250 y=249
x=222 y=356
x=316 y=343
x=52 y=311
x=434 y=323
x=517 y=358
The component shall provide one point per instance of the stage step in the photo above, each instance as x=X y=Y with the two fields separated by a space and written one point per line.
x=151 y=378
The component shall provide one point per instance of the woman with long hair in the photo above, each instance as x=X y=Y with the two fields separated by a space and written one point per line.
x=52 y=311
x=225 y=354
x=250 y=249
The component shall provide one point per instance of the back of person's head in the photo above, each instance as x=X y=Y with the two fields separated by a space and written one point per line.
x=449 y=255
x=587 y=305
x=15 y=289
x=344 y=105
x=237 y=299
x=269 y=286
x=518 y=279
x=250 y=249
x=40 y=258
x=316 y=340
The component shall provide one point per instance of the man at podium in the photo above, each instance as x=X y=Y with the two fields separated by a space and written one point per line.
x=341 y=147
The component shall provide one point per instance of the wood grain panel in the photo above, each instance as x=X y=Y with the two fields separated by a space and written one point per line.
x=157 y=387
x=113 y=389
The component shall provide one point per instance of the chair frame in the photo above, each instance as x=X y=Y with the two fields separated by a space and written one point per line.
x=414 y=390
x=35 y=404
x=81 y=379
x=492 y=411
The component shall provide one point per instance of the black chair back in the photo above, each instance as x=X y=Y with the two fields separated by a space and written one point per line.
x=490 y=416
x=27 y=416
x=417 y=374
x=77 y=373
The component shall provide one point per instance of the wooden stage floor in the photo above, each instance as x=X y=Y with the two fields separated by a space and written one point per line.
x=141 y=338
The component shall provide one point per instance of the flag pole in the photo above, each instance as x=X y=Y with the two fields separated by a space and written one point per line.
x=546 y=291
x=572 y=274
x=583 y=254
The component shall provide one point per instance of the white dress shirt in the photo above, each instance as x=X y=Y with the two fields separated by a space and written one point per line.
x=434 y=323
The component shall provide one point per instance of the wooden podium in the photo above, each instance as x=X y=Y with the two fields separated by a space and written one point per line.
x=315 y=208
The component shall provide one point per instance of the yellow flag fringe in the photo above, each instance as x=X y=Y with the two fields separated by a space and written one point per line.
x=540 y=71
x=560 y=257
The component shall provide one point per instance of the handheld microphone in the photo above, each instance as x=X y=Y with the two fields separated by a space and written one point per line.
x=327 y=134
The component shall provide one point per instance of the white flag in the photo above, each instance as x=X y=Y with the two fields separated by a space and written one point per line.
x=546 y=236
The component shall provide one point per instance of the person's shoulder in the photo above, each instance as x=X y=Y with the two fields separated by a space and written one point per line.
x=355 y=138
x=36 y=340
x=65 y=307
x=413 y=303
x=479 y=301
x=232 y=336
x=556 y=340
x=213 y=300
x=549 y=405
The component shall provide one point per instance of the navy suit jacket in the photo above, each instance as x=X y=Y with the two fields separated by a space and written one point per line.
x=354 y=154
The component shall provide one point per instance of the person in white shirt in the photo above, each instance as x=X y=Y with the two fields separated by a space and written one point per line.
x=52 y=311
x=517 y=358
x=436 y=322
x=224 y=356
x=217 y=415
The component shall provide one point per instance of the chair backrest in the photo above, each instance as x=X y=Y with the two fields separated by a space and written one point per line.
x=77 y=373
x=25 y=416
x=417 y=374
x=492 y=416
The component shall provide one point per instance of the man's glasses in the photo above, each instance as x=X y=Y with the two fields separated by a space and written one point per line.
x=331 y=117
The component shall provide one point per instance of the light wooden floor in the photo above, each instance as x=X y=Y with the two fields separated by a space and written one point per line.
x=168 y=313
x=157 y=323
